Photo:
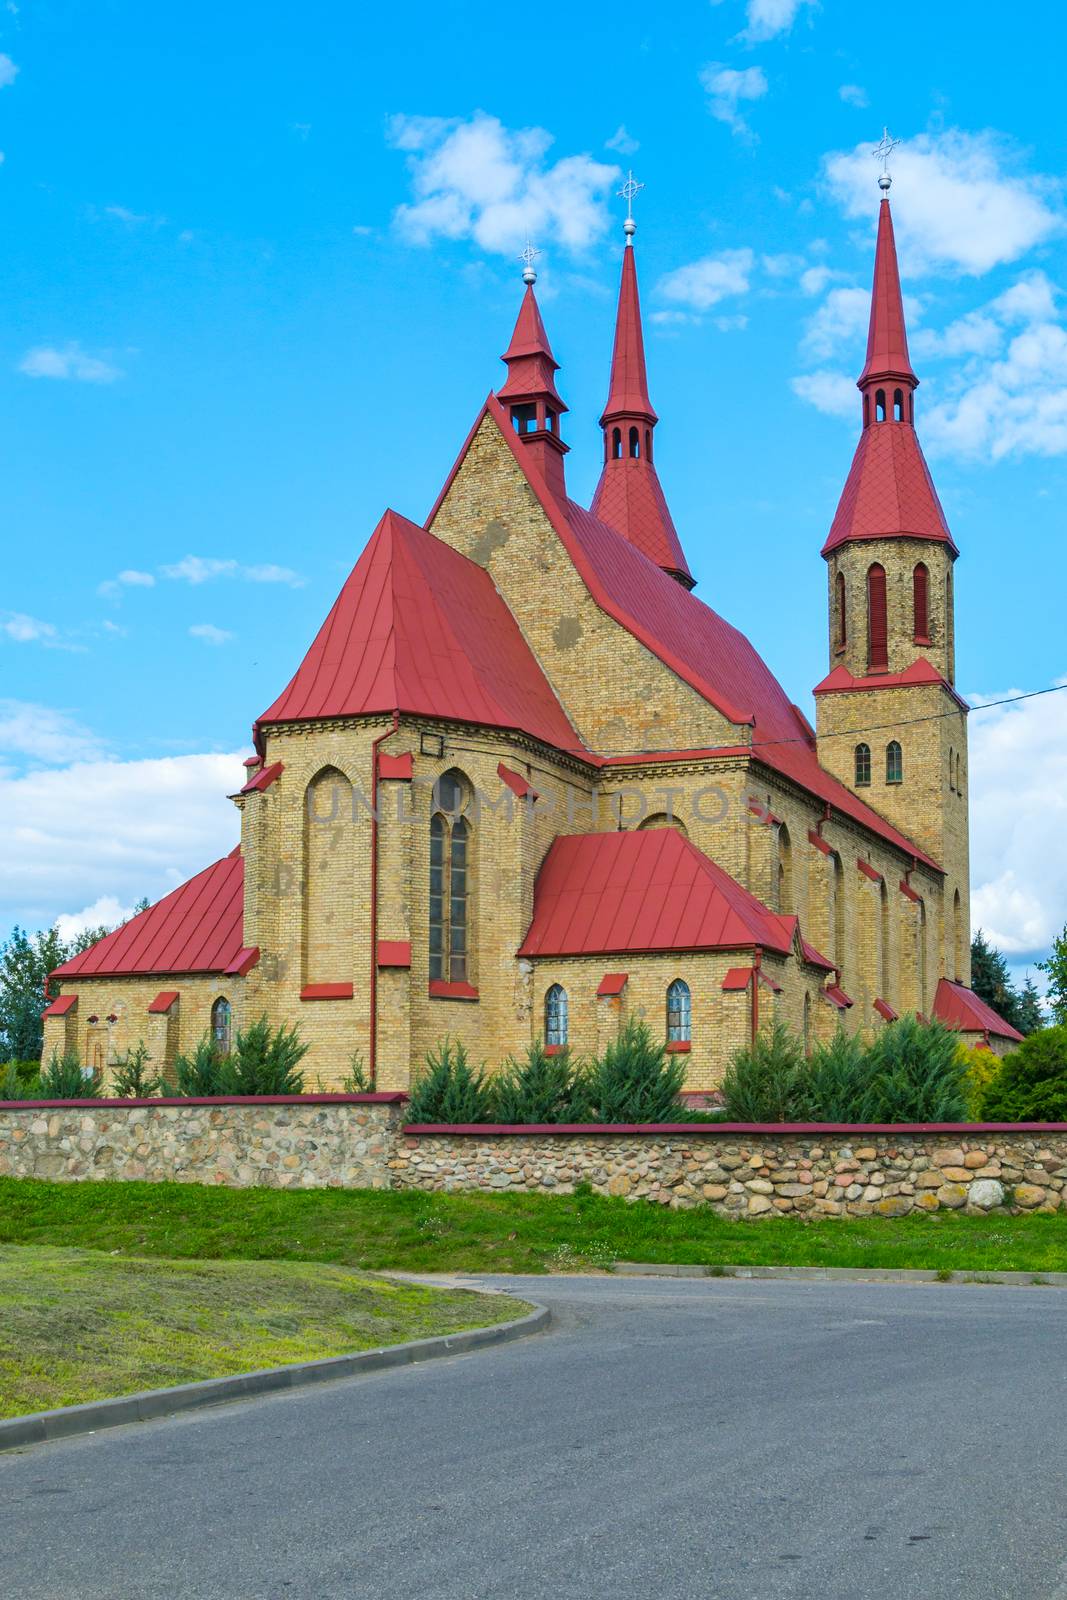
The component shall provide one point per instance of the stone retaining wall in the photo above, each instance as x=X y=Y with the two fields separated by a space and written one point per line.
x=297 y=1142
x=360 y=1141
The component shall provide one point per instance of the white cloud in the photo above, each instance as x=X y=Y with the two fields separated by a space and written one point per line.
x=839 y=321
x=702 y=284
x=47 y=361
x=43 y=733
x=622 y=141
x=25 y=629
x=768 y=18
x=129 y=578
x=1018 y=784
x=480 y=180
x=209 y=633
x=72 y=834
x=124 y=214
x=202 y=569
x=853 y=95
x=831 y=392
x=728 y=88
x=814 y=279
x=8 y=71
x=105 y=912
x=962 y=205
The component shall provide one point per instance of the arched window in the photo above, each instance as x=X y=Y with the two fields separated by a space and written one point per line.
x=920 y=955
x=807 y=1023
x=450 y=836
x=877 y=626
x=894 y=763
x=883 y=918
x=679 y=1013
x=329 y=893
x=866 y=411
x=863 y=765
x=958 y=936
x=959 y=775
x=221 y=1018
x=837 y=910
x=635 y=443
x=785 y=871
x=524 y=418
x=842 y=621
x=648 y=444
x=616 y=443
x=879 y=406
x=920 y=581
x=951 y=770
x=556 y=1017
x=550 y=420
x=911 y=405
x=898 y=405
x=950 y=628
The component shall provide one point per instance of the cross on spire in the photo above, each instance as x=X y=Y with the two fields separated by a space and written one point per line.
x=630 y=189
x=528 y=256
x=882 y=152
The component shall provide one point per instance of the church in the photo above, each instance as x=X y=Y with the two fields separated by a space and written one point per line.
x=525 y=783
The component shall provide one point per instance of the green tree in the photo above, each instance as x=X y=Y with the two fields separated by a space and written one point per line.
x=1031 y=1015
x=1031 y=1083
x=25 y=962
x=1055 y=970
x=635 y=1080
x=991 y=980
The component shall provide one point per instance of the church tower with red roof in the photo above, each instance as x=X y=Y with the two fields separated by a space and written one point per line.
x=890 y=723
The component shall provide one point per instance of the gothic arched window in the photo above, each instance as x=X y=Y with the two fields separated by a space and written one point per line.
x=877 y=624
x=679 y=1013
x=450 y=838
x=920 y=580
x=785 y=871
x=863 y=765
x=221 y=1021
x=898 y=405
x=879 y=406
x=635 y=442
x=556 y=1026
x=894 y=763
x=842 y=623
x=616 y=443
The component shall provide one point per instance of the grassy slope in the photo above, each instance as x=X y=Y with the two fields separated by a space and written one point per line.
x=371 y=1229
x=77 y=1325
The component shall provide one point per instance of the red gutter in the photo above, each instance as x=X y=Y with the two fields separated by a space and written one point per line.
x=373 y=1048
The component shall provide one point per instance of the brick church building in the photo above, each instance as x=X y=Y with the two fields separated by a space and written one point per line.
x=593 y=799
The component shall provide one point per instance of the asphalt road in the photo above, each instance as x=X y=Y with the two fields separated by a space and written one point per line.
x=682 y=1440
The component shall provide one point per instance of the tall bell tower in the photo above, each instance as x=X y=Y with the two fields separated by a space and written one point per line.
x=890 y=723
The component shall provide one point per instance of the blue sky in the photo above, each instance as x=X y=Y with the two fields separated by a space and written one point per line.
x=259 y=269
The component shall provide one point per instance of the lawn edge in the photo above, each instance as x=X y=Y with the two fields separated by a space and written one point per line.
x=670 y=1269
x=66 y=1422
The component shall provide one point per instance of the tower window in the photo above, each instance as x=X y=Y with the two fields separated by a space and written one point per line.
x=221 y=1019
x=648 y=444
x=616 y=444
x=450 y=835
x=894 y=763
x=877 y=626
x=550 y=421
x=959 y=778
x=556 y=1022
x=951 y=771
x=842 y=624
x=866 y=411
x=524 y=418
x=911 y=406
x=879 y=406
x=921 y=593
x=863 y=765
x=679 y=1013
x=635 y=443
x=898 y=405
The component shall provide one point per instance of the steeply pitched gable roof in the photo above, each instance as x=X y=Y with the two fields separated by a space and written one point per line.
x=959 y=1007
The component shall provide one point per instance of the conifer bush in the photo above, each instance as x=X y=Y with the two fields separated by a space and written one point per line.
x=635 y=1080
x=915 y=1075
x=541 y=1088
x=16 y=1083
x=836 y=1080
x=450 y=1090
x=131 y=1078
x=1030 y=1084
x=264 y=1060
x=198 y=1075
x=65 y=1079
x=767 y=1081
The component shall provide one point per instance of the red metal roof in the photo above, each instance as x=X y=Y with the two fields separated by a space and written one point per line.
x=628 y=390
x=60 y=1006
x=887 y=336
x=264 y=779
x=401 y=767
x=959 y=1007
x=836 y=996
x=631 y=892
x=611 y=985
x=196 y=928
x=884 y=1009
x=394 y=952
x=841 y=681
x=243 y=962
x=530 y=362
x=419 y=628
x=162 y=1002
x=737 y=978
x=889 y=492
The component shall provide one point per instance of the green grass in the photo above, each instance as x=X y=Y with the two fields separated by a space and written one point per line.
x=376 y=1230
x=77 y=1325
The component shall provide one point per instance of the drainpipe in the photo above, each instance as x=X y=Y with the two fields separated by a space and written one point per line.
x=372 y=1063
x=757 y=961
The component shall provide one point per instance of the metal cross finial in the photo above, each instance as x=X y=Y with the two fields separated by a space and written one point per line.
x=528 y=257
x=628 y=191
x=882 y=151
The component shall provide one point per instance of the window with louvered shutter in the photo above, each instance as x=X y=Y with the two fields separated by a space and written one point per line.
x=877 y=624
x=921 y=587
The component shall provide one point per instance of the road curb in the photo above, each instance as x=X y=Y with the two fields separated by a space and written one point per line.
x=657 y=1269
x=68 y=1421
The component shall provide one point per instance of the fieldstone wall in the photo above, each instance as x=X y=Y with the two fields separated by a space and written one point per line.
x=861 y=1173
x=306 y=1142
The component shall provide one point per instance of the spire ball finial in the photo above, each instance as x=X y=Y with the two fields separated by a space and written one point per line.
x=628 y=191
x=882 y=151
x=528 y=256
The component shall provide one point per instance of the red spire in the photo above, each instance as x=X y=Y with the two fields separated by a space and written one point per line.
x=628 y=395
x=887 y=339
x=629 y=497
x=529 y=390
x=889 y=492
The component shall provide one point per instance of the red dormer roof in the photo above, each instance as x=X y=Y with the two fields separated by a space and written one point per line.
x=419 y=628
x=959 y=1007
x=196 y=928
x=628 y=893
